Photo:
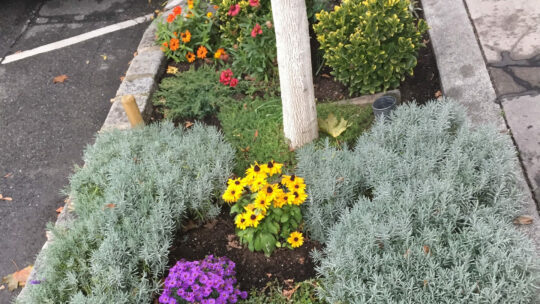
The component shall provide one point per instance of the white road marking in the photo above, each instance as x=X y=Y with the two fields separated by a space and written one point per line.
x=76 y=39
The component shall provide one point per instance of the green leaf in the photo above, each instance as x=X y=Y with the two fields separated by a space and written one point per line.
x=284 y=218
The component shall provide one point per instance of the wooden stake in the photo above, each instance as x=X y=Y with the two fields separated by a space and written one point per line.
x=132 y=110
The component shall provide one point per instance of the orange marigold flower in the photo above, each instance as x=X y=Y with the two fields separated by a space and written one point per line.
x=171 y=18
x=190 y=57
x=201 y=52
x=186 y=36
x=190 y=4
x=216 y=7
x=177 y=10
x=174 y=44
x=165 y=44
x=218 y=53
x=175 y=34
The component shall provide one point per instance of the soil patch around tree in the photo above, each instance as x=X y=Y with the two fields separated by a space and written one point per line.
x=253 y=269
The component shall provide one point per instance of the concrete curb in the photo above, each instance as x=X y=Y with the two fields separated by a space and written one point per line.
x=465 y=78
x=141 y=81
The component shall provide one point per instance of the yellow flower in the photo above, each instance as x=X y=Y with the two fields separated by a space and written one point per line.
x=209 y=15
x=257 y=184
x=261 y=202
x=190 y=4
x=186 y=36
x=296 y=239
x=237 y=183
x=291 y=180
x=298 y=197
x=232 y=195
x=282 y=199
x=297 y=186
x=272 y=168
x=240 y=221
x=219 y=52
x=254 y=172
x=253 y=218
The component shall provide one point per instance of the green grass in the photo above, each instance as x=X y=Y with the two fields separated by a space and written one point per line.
x=242 y=120
x=300 y=293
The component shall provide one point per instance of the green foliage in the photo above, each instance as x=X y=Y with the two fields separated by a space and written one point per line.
x=254 y=56
x=302 y=293
x=129 y=199
x=243 y=119
x=173 y=36
x=240 y=121
x=192 y=94
x=420 y=211
x=370 y=44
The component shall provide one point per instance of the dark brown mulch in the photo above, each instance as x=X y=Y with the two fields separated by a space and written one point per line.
x=253 y=269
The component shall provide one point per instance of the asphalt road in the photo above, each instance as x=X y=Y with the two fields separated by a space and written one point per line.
x=44 y=126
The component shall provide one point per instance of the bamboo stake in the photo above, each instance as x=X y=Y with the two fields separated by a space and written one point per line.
x=132 y=110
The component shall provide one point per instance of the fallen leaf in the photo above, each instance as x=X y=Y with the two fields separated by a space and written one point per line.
x=289 y=292
x=331 y=125
x=10 y=174
x=269 y=275
x=110 y=205
x=59 y=210
x=255 y=135
x=438 y=94
x=427 y=250
x=211 y=224
x=17 y=52
x=523 y=220
x=122 y=78
x=2 y=287
x=232 y=242
x=406 y=254
x=245 y=150
x=87 y=61
x=245 y=106
x=104 y=57
x=5 y=198
x=425 y=283
x=172 y=70
x=189 y=226
x=18 y=278
x=301 y=260
x=60 y=78
x=325 y=75
x=425 y=41
x=188 y=124
x=135 y=54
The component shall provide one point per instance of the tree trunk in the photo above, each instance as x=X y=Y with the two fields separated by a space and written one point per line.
x=295 y=75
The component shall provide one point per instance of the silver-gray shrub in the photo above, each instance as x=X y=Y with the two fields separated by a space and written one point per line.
x=117 y=253
x=420 y=211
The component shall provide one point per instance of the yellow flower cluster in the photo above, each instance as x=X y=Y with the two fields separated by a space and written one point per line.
x=289 y=191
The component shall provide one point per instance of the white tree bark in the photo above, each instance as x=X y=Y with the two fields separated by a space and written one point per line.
x=295 y=75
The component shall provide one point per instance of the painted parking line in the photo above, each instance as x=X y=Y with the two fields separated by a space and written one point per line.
x=76 y=39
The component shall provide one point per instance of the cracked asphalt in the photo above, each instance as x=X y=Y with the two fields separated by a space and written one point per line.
x=44 y=127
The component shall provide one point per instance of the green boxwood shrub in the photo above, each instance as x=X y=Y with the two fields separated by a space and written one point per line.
x=420 y=211
x=370 y=44
x=129 y=199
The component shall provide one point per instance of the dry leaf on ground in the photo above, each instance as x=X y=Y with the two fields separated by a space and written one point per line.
x=331 y=125
x=18 y=278
x=60 y=78
x=523 y=220
x=10 y=174
x=59 y=210
x=211 y=224
x=438 y=94
x=172 y=70
x=5 y=198
x=188 y=124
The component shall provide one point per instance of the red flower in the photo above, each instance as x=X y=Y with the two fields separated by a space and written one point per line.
x=171 y=17
x=177 y=10
x=234 y=10
x=233 y=82
x=254 y=3
x=257 y=30
x=226 y=77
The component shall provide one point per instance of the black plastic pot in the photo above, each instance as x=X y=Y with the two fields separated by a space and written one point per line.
x=383 y=106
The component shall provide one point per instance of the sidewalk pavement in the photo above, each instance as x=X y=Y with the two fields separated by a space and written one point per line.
x=488 y=55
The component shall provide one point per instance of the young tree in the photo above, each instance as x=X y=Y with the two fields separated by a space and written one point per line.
x=295 y=75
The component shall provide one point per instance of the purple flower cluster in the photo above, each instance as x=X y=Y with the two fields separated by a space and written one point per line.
x=210 y=281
